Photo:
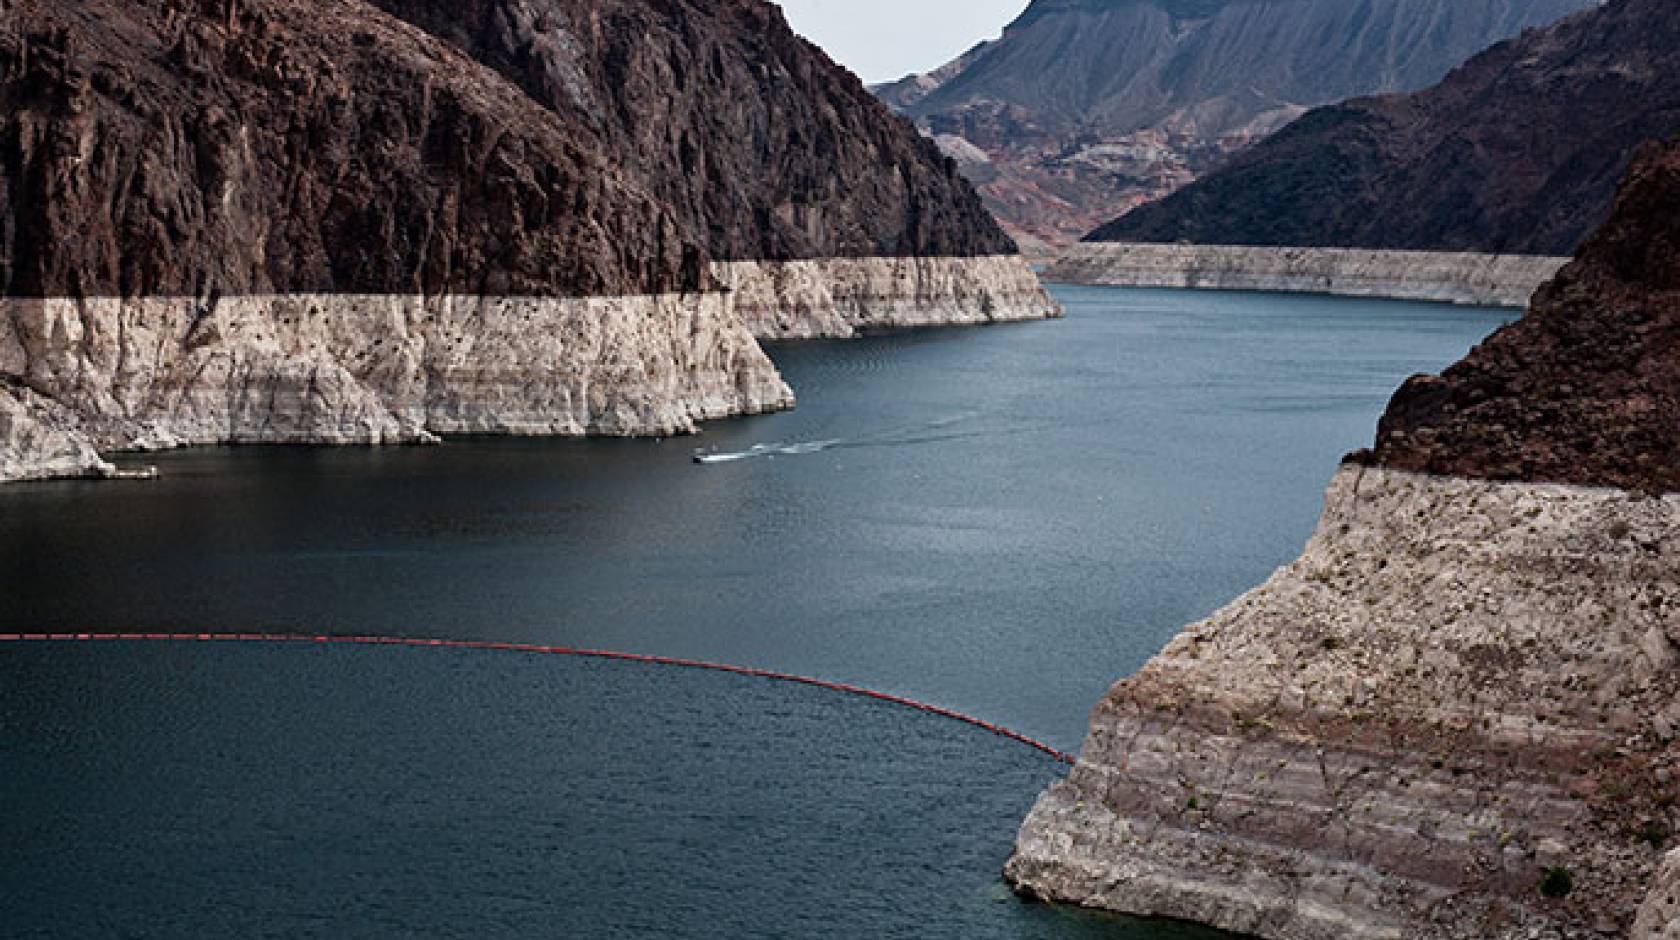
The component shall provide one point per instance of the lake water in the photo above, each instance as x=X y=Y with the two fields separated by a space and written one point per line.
x=1000 y=520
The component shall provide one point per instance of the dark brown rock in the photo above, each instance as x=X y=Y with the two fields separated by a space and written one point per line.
x=312 y=221
x=1585 y=388
x=763 y=147
x=1517 y=152
x=199 y=146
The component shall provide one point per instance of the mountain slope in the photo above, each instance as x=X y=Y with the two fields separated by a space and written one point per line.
x=180 y=148
x=765 y=148
x=1088 y=107
x=1519 y=151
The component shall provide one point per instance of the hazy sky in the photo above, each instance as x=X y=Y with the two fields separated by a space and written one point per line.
x=887 y=39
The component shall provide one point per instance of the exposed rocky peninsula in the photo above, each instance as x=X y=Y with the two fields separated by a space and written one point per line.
x=1083 y=109
x=338 y=221
x=1457 y=715
x=1444 y=277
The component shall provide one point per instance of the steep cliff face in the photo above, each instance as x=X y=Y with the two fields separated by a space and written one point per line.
x=1517 y=152
x=766 y=149
x=1458 y=714
x=1086 y=108
x=840 y=298
x=274 y=220
x=186 y=147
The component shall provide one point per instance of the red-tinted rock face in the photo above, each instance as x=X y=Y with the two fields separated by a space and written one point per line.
x=1585 y=388
x=1517 y=152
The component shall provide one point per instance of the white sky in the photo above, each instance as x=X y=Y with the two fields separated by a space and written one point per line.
x=883 y=40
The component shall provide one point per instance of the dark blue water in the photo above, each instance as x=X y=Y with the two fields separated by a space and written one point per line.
x=1002 y=521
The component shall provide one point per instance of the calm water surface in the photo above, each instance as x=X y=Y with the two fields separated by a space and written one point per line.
x=1000 y=520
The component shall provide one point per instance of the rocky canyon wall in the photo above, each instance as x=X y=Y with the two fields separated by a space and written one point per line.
x=1457 y=715
x=1519 y=151
x=113 y=374
x=1458 y=686
x=336 y=221
x=1083 y=109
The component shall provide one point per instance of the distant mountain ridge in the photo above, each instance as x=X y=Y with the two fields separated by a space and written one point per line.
x=1519 y=151
x=1089 y=107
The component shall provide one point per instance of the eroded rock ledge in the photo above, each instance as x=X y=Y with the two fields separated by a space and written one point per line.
x=107 y=374
x=1459 y=685
x=838 y=298
x=1448 y=277
x=40 y=440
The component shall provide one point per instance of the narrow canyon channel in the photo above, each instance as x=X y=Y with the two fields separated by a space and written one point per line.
x=995 y=520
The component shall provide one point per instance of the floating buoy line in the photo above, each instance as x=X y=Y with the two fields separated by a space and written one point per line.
x=533 y=649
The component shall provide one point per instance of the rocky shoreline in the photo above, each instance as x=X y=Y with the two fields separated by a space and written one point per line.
x=1447 y=277
x=1457 y=715
x=102 y=375
x=342 y=222
x=105 y=375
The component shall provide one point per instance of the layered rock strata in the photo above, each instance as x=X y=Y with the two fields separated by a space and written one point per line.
x=1659 y=918
x=1457 y=715
x=844 y=297
x=1451 y=691
x=1450 y=277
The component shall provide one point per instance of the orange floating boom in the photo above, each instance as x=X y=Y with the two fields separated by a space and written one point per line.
x=485 y=645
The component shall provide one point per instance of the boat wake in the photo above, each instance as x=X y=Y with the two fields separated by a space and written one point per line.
x=921 y=434
x=765 y=450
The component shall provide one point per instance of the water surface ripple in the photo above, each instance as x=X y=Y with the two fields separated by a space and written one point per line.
x=999 y=521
